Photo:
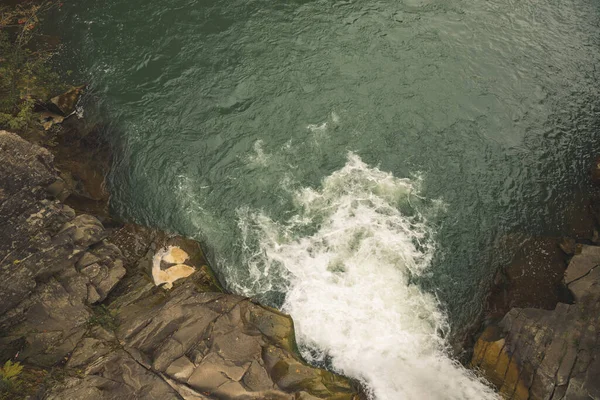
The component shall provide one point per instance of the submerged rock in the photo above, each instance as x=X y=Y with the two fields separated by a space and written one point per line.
x=58 y=108
x=549 y=354
x=48 y=119
x=83 y=160
x=595 y=171
x=533 y=278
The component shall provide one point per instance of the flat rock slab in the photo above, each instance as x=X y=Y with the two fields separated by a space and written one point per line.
x=223 y=345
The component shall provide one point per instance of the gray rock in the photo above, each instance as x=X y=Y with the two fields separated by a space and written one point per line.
x=44 y=313
x=192 y=342
x=87 y=350
x=51 y=323
x=84 y=230
x=555 y=353
x=25 y=169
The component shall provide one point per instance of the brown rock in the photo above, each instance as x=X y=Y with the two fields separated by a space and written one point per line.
x=115 y=375
x=532 y=279
x=568 y=246
x=48 y=119
x=221 y=344
x=551 y=353
x=193 y=342
x=66 y=102
x=595 y=171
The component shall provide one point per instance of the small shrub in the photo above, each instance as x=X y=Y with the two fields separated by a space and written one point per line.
x=9 y=380
x=10 y=370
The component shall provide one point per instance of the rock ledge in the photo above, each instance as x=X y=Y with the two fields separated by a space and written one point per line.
x=80 y=298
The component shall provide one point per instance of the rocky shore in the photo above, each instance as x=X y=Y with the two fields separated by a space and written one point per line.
x=82 y=318
x=543 y=314
x=82 y=314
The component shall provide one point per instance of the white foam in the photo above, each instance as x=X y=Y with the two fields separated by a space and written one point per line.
x=346 y=261
x=259 y=158
x=317 y=128
x=335 y=117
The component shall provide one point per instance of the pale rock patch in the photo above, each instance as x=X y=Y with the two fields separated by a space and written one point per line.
x=171 y=254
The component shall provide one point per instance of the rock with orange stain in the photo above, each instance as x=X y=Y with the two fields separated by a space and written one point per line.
x=549 y=354
x=499 y=367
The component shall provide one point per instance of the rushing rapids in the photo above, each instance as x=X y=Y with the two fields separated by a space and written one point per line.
x=348 y=257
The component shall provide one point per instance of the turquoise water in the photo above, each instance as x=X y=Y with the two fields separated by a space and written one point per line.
x=357 y=161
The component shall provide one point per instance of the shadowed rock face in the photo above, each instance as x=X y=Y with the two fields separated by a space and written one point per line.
x=191 y=342
x=549 y=354
x=54 y=263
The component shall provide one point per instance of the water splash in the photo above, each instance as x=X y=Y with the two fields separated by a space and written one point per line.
x=346 y=262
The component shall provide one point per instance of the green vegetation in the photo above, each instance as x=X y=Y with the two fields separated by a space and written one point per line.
x=10 y=371
x=10 y=384
x=19 y=382
x=103 y=317
x=25 y=72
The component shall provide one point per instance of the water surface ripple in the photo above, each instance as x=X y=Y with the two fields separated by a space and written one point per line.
x=283 y=135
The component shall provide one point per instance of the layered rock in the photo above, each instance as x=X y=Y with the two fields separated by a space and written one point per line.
x=54 y=263
x=549 y=354
x=200 y=345
x=80 y=297
x=200 y=342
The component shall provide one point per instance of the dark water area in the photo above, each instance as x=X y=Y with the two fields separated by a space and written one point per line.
x=269 y=130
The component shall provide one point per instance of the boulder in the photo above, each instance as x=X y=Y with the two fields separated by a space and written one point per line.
x=549 y=354
x=65 y=103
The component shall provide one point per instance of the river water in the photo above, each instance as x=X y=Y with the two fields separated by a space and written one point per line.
x=355 y=163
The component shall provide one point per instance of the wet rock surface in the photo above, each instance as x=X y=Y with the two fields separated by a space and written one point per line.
x=81 y=155
x=543 y=312
x=533 y=278
x=80 y=297
x=549 y=354
x=46 y=253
